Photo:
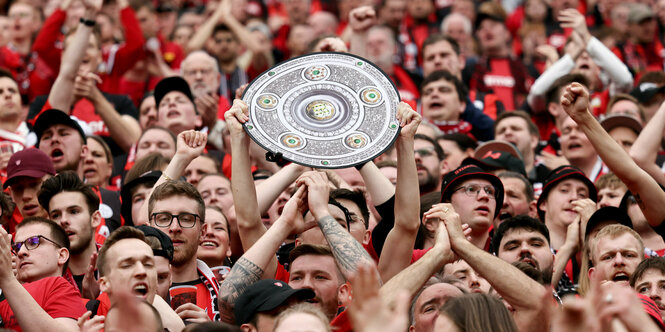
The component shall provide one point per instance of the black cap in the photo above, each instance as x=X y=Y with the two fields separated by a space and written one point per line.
x=164 y=240
x=126 y=193
x=487 y=16
x=52 y=117
x=645 y=91
x=466 y=172
x=173 y=83
x=562 y=173
x=266 y=295
x=608 y=213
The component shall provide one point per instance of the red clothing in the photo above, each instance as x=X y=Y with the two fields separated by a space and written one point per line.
x=505 y=77
x=641 y=58
x=33 y=75
x=53 y=294
x=408 y=91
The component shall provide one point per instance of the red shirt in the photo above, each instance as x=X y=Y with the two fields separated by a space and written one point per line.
x=53 y=294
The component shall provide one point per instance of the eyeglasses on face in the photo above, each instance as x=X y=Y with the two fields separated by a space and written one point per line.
x=32 y=243
x=185 y=220
x=472 y=190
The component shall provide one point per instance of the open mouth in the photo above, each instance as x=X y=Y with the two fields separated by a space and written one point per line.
x=141 y=290
x=89 y=172
x=57 y=154
x=529 y=261
x=505 y=215
x=621 y=276
x=435 y=105
x=172 y=114
x=209 y=244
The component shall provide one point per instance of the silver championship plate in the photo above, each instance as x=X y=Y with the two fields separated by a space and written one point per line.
x=323 y=110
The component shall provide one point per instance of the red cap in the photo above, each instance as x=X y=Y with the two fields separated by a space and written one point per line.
x=29 y=162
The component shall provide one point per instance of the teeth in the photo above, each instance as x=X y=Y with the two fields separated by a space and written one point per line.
x=208 y=244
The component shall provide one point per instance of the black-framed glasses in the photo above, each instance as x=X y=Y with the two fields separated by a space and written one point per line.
x=32 y=243
x=185 y=220
x=472 y=190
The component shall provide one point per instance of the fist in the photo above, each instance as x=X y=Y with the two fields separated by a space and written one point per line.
x=362 y=18
x=575 y=100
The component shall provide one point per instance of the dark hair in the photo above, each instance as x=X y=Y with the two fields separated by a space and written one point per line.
x=67 y=181
x=446 y=76
x=463 y=141
x=521 y=222
x=6 y=73
x=6 y=207
x=213 y=327
x=651 y=263
x=528 y=187
x=177 y=188
x=58 y=234
x=223 y=28
x=216 y=208
x=533 y=129
x=357 y=197
x=140 y=4
x=124 y=232
x=437 y=37
x=437 y=148
x=655 y=76
x=553 y=94
x=478 y=313
x=151 y=162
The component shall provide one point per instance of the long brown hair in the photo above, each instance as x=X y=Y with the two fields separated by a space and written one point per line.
x=479 y=313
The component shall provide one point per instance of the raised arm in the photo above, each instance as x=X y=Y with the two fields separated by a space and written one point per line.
x=348 y=252
x=360 y=20
x=645 y=149
x=204 y=32
x=61 y=96
x=250 y=227
x=520 y=291
x=270 y=189
x=190 y=144
x=250 y=268
x=416 y=275
x=132 y=48
x=398 y=248
x=647 y=192
x=29 y=315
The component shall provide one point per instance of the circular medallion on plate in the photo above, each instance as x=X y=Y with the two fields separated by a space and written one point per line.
x=323 y=110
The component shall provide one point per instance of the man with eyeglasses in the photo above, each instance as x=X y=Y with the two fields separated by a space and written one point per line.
x=477 y=196
x=177 y=209
x=38 y=298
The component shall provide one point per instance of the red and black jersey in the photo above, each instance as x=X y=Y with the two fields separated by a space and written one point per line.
x=506 y=77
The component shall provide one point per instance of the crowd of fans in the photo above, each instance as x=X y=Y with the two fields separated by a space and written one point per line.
x=532 y=132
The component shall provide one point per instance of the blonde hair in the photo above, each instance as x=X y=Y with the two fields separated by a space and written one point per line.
x=613 y=232
x=305 y=308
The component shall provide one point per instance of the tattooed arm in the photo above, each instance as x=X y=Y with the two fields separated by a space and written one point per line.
x=250 y=267
x=347 y=251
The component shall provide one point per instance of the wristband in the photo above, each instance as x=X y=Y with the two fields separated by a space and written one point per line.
x=360 y=166
x=90 y=23
x=168 y=178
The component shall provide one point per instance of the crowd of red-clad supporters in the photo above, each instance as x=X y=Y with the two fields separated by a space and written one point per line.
x=532 y=132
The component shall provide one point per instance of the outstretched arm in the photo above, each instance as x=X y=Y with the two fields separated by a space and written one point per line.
x=251 y=266
x=519 y=290
x=645 y=149
x=61 y=96
x=360 y=20
x=647 y=192
x=398 y=248
x=348 y=252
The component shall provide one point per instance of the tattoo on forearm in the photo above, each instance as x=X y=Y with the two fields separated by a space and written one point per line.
x=347 y=251
x=243 y=274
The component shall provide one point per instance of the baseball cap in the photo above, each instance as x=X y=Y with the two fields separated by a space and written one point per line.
x=164 y=241
x=562 y=173
x=645 y=91
x=607 y=213
x=29 y=162
x=173 y=83
x=466 y=172
x=126 y=193
x=266 y=295
x=52 y=117
x=621 y=120
x=639 y=12
x=495 y=155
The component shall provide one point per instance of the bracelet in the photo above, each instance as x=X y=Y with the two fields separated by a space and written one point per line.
x=90 y=23
x=168 y=178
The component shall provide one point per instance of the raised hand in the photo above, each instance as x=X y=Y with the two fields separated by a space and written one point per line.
x=331 y=44
x=207 y=106
x=191 y=313
x=318 y=192
x=235 y=117
x=85 y=85
x=292 y=214
x=368 y=313
x=572 y=18
x=408 y=120
x=90 y=285
x=574 y=235
x=575 y=101
x=191 y=144
x=446 y=213
x=86 y=324
x=93 y=5
x=362 y=18
x=6 y=273
x=585 y=208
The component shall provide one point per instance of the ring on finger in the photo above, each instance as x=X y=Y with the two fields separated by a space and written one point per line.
x=609 y=298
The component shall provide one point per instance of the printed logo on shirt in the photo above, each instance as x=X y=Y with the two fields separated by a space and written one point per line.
x=496 y=80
